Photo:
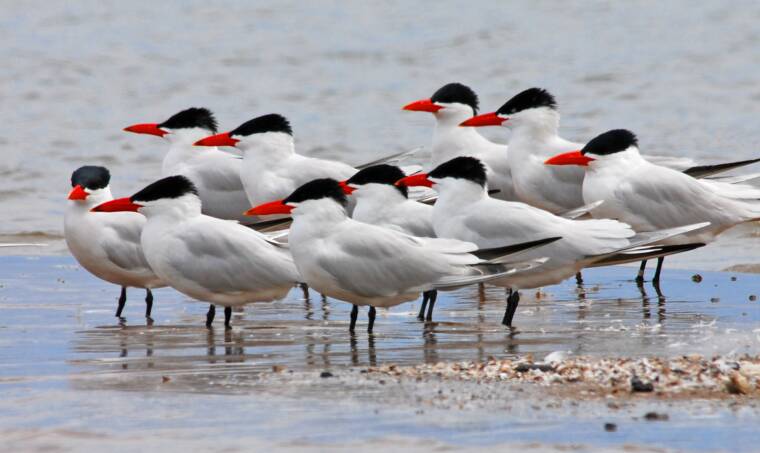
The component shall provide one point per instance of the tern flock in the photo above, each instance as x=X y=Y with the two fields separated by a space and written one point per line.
x=231 y=229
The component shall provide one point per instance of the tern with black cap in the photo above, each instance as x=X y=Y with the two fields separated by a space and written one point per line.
x=108 y=246
x=450 y=105
x=650 y=197
x=215 y=173
x=465 y=211
x=206 y=258
x=370 y=265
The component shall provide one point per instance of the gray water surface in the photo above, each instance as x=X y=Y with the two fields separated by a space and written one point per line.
x=72 y=375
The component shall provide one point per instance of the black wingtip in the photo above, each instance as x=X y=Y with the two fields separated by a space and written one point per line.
x=702 y=171
x=497 y=252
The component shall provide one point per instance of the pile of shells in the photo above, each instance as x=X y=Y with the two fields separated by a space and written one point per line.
x=692 y=374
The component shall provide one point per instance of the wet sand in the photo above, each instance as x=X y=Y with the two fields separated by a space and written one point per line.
x=73 y=376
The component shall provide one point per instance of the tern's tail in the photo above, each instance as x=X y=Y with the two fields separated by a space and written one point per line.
x=646 y=245
x=644 y=253
x=481 y=273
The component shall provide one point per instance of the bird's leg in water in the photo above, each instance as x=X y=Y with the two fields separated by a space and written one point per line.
x=305 y=289
x=148 y=302
x=210 y=315
x=372 y=313
x=122 y=301
x=433 y=297
x=512 y=301
x=640 y=276
x=579 y=278
x=656 y=279
x=354 y=314
x=425 y=297
x=227 y=317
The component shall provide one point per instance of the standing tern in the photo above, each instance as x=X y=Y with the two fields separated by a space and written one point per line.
x=367 y=264
x=271 y=167
x=465 y=211
x=650 y=197
x=380 y=202
x=215 y=173
x=452 y=104
x=108 y=246
x=206 y=258
x=534 y=121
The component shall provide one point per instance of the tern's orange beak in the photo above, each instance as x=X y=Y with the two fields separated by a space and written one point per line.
x=348 y=190
x=146 y=128
x=486 y=119
x=78 y=193
x=273 y=207
x=223 y=139
x=117 y=205
x=420 y=179
x=571 y=158
x=423 y=105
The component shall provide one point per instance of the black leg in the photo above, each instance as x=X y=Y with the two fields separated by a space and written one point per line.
x=433 y=297
x=122 y=301
x=305 y=289
x=579 y=278
x=425 y=297
x=227 y=317
x=148 y=302
x=354 y=315
x=372 y=314
x=656 y=279
x=509 y=313
x=640 y=276
x=210 y=315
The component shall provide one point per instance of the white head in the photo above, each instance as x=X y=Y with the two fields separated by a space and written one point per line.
x=89 y=186
x=268 y=133
x=377 y=182
x=612 y=147
x=321 y=199
x=533 y=109
x=183 y=128
x=462 y=178
x=172 y=196
x=451 y=104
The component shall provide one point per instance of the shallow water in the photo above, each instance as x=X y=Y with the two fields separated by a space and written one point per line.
x=67 y=365
x=684 y=76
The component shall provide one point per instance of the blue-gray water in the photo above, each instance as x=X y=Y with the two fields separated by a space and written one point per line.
x=72 y=376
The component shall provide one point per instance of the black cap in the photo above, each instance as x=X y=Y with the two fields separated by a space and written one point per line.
x=192 y=117
x=611 y=142
x=266 y=123
x=463 y=167
x=380 y=174
x=318 y=189
x=528 y=99
x=456 y=92
x=91 y=177
x=169 y=187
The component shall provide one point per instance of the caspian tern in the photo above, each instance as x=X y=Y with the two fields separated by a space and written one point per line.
x=534 y=121
x=452 y=104
x=215 y=173
x=367 y=264
x=650 y=197
x=271 y=167
x=108 y=246
x=380 y=202
x=465 y=211
x=203 y=257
